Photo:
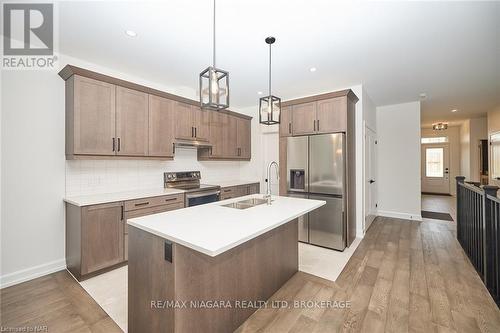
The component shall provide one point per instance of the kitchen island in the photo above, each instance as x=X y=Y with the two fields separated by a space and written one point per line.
x=207 y=268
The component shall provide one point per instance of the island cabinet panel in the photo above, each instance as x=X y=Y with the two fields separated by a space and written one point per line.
x=161 y=127
x=331 y=115
x=243 y=138
x=252 y=271
x=304 y=118
x=286 y=121
x=90 y=117
x=184 y=119
x=102 y=237
x=201 y=123
x=132 y=122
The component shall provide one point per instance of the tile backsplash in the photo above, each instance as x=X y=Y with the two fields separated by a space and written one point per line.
x=85 y=177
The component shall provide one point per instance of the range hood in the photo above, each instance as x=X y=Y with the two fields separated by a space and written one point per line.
x=189 y=144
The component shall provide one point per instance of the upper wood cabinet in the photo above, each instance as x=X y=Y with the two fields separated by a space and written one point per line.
x=131 y=122
x=90 y=117
x=161 y=126
x=327 y=115
x=243 y=138
x=109 y=117
x=286 y=121
x=230 y=137
x=304 y=118
x=331 y=115
x=201 y=123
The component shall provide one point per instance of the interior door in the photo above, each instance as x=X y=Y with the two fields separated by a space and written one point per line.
x=370 y=178
x=327 y=164
x=435 y=168
x=327 y=223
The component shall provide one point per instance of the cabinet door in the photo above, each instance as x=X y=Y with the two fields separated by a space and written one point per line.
x=286 y=121
x=303 y=118
x=161 y=127
x=102 y=236
x=184 y=120
x=131 y=122
x=218 y=121
x=254 y=188
x=243 y=142
x=92 y=130
x=332 y=115
x=201 y=123
x=230 y=137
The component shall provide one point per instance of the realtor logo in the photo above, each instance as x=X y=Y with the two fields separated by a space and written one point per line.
x=28 y=35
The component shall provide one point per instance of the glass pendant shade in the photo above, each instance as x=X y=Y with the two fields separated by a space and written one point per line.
x=214 y=89
x=270 y=110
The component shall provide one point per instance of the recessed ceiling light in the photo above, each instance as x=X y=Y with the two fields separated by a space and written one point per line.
x=259 y=92
x=131 y=33
x=454 y=110
x=312 y=69
x=423 y=95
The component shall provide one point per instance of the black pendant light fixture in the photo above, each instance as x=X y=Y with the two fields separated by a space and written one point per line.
x=214 y=84
x=270 y=106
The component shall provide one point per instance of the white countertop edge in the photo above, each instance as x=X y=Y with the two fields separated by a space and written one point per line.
x=227 y=247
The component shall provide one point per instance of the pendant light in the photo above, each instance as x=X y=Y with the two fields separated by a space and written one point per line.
x=269 y=106
x=214 y=84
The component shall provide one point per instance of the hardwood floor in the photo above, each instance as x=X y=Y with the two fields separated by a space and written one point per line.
x=54 y=303
x=404 y=277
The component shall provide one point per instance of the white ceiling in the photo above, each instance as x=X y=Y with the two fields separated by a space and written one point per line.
x=449 y=50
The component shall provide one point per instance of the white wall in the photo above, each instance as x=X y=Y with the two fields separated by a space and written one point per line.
x=398 y=129
x=453 y=134
x=34 y=169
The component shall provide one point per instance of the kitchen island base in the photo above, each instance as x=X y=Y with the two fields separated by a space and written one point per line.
x=199 y=293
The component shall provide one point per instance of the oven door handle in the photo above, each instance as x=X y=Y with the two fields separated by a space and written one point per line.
x=202 y=194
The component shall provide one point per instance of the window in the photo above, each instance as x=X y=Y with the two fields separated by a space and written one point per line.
x=436 y=139
x=434 y=162
x=495 y=155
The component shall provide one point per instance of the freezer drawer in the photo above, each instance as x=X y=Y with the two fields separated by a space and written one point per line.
x=327 y=224
x=303 y=220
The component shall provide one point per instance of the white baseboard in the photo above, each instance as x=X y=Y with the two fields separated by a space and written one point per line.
x=27 y=274
x=399 y=215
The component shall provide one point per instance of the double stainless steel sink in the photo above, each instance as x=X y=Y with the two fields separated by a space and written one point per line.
x=244 y=204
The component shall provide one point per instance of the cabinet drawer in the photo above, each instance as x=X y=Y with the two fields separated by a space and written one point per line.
x=149 y=211
x=229 y=192
x=153 y=201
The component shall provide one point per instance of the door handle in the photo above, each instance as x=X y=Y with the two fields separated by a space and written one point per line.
x=372 y=181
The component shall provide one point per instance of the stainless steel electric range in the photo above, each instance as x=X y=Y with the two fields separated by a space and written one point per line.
x=189 y=181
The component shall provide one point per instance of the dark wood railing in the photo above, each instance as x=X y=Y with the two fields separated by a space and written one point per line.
x=478 y=230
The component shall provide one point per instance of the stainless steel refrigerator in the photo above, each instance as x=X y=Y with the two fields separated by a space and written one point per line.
x=316 y=169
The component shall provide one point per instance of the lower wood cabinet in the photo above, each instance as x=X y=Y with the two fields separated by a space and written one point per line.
x=239 y=191
x=97 y=235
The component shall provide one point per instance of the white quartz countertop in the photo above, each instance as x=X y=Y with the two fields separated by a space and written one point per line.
x=213 y=229
x=229 y=183
x=95 y=199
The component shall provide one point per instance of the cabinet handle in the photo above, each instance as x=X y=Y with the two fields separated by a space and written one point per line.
x=171 y=199
x=289 y=128
x=119 y=144
x=317 y=121
x=142 y=204
x=113 y=144
x=173 y=147
x=195 y=130
x=123 y=212
x=314 y=125
x=192 y=131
